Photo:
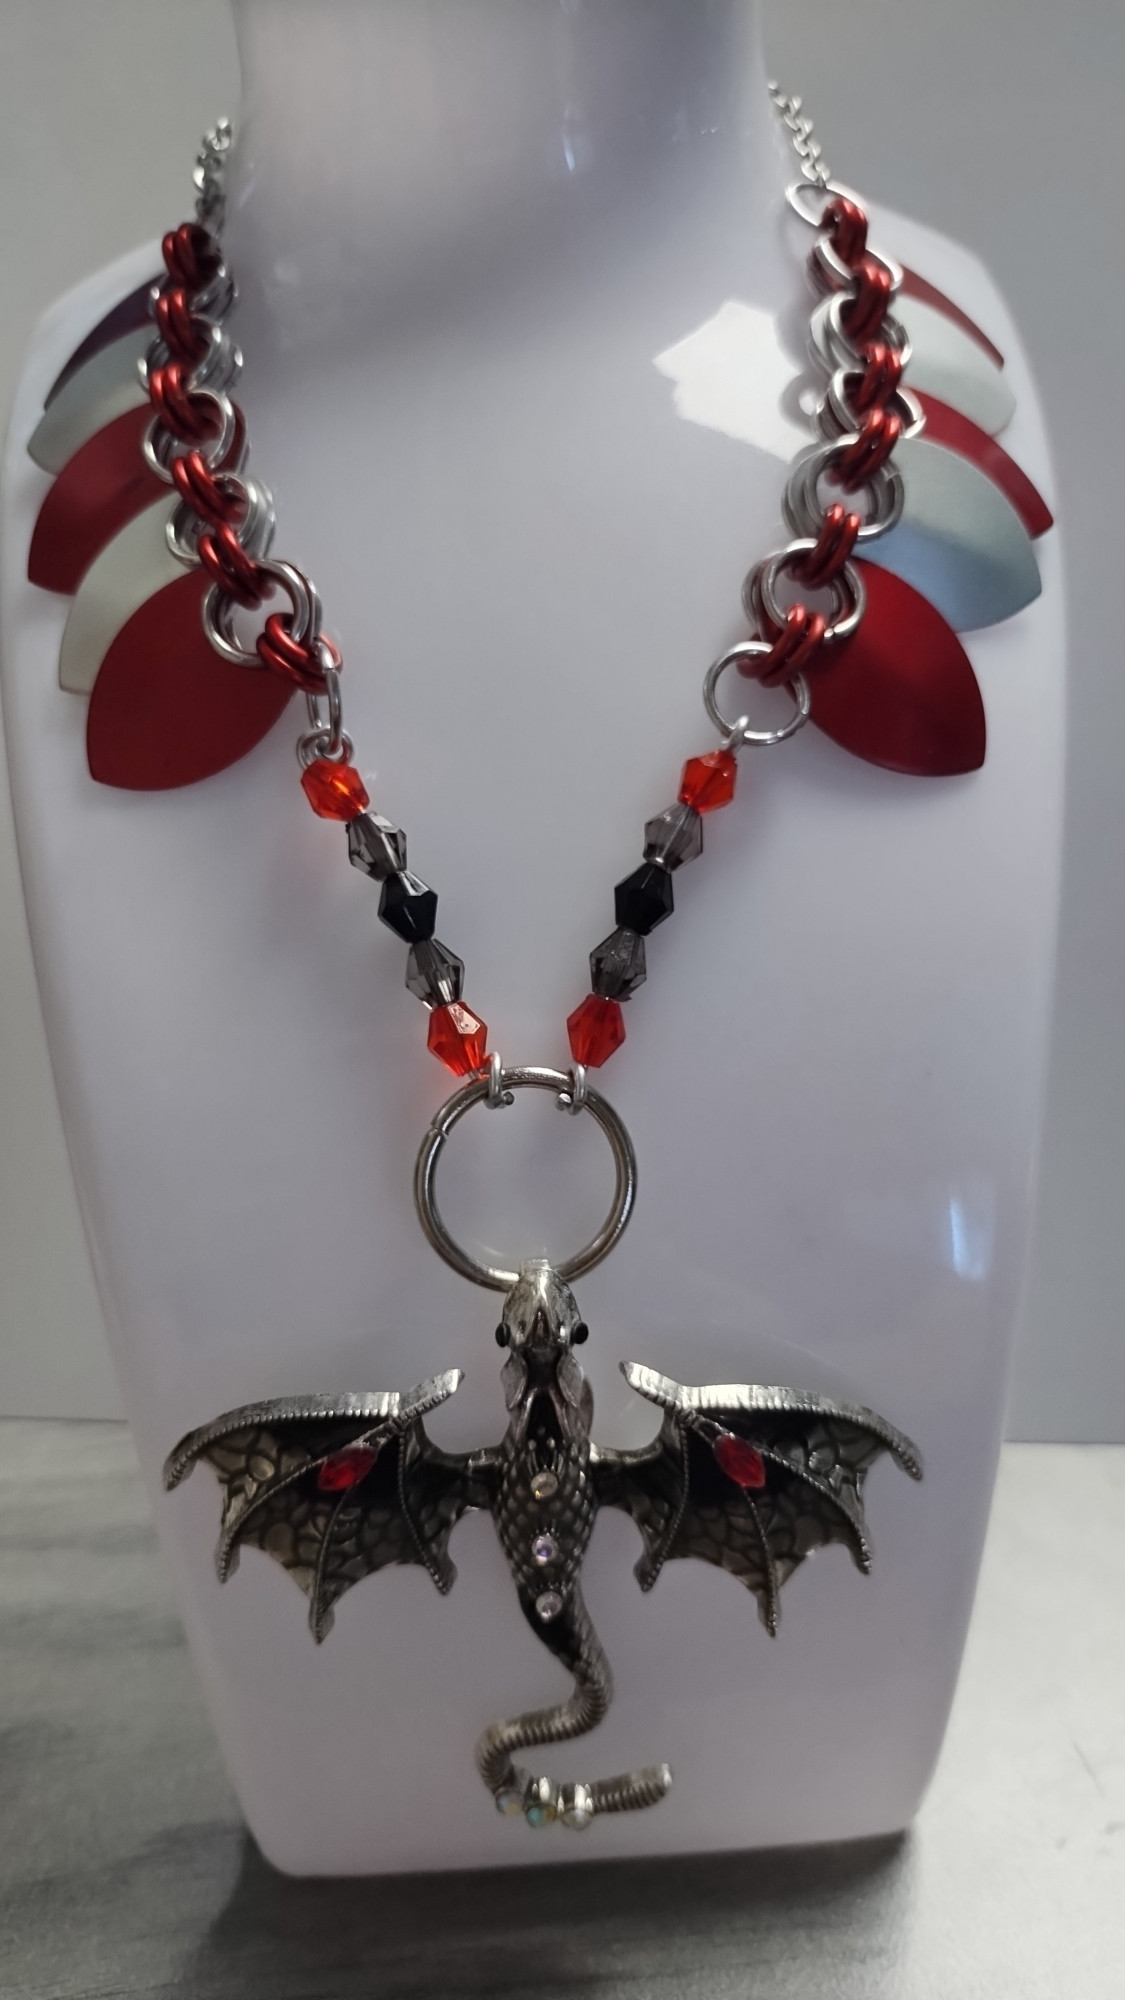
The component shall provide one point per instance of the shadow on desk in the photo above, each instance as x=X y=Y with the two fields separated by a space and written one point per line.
x=793 y=1922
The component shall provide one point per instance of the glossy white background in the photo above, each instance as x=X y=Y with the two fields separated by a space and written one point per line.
x=977 y=128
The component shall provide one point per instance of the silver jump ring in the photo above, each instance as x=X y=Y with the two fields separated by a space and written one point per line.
x=849 y=592
x=829 y=191
x=840 y=277
x=832 y=345
x=216 y=368
x=844 y=421
x=219 y=610
x=574 y=1098
x=327 y=736
x=884 y=493
x=498 y=1098
x=476 y=1091
x=797 y=685
x=158 y=439
x=184 y=527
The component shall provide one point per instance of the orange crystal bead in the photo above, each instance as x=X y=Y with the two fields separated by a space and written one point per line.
x=708 y=782
x=334 y=789
x=457 y=1038
x=595 y=1029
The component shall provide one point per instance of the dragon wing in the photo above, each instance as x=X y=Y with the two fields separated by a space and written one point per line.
x=748 y=1477
x=335 y=1487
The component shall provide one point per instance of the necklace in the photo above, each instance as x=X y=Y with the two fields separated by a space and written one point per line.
x=747 y=1477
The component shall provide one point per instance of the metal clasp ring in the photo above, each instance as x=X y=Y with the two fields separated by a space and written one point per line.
x=734 y=734
x=498 y=1098
x=826 y=190
x=483 y=1088
x=574 y=1099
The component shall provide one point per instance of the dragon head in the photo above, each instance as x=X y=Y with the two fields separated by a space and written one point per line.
x=540 y=1327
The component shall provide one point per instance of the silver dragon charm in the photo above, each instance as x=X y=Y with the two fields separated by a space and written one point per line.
x=751 y=1479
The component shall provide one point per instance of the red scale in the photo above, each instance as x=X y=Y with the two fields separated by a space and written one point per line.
x=902 y=693
x=166 y=709
x=98 y=492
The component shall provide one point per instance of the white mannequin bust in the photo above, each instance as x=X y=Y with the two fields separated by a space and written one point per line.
x=462 y=234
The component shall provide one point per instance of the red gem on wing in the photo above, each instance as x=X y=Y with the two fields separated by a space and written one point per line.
x=103 y=487
x=915 y=287
x=957 y=433
x=740 y=1461
x=345 y=1469
x=902 y=693
x=166 y=710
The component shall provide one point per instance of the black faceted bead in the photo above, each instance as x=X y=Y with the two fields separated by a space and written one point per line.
x=674 y=836
x=644 y=898
x=617 y=965
x=433 y=974
x=376 y=846
x=408 y=907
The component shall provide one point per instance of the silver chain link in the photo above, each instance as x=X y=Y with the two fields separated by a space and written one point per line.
x=800 y=129
x=207 y=177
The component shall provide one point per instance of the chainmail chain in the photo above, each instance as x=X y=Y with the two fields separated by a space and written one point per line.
x=577 y=1645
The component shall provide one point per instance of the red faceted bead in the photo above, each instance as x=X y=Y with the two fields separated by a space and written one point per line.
x=335 y=790
x=595 y=1028
x=708 y=782
x=345 y=1468
x=457 y=1038
x=740 y=1461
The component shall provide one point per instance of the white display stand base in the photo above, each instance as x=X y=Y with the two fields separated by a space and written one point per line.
x=832 y=1077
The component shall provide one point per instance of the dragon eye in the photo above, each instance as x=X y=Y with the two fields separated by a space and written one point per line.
x=501 y=1336
x=581 y=1332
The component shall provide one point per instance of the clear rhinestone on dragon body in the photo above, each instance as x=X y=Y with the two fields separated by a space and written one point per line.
x=540 y=1804
x=544 y=1549
x=575 y=1806
x=548 y=1605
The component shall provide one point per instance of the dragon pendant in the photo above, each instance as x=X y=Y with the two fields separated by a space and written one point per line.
x=750 y=1478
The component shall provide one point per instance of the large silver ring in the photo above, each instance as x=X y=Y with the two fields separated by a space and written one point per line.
x=476 y=1091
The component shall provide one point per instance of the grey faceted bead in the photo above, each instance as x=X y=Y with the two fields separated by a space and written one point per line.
x=674 y=836
x=376 y=846
x=434 y=974
x=617 y=965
